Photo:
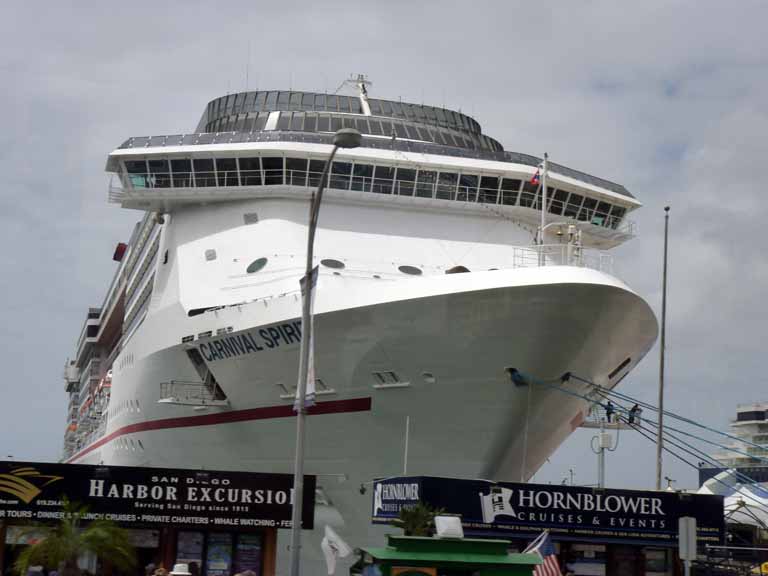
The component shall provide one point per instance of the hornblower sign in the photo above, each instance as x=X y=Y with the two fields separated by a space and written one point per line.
x=568 y=512
x=151 y=496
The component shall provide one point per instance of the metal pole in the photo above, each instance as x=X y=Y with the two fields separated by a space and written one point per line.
x=306 y=328
x=543 y=198
x=405 y=452
x=659 y=435
x=601 y=458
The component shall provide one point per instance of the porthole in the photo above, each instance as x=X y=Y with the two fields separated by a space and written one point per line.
x=412 y=270
x=210 y=255
x=457 y=270
x=331 y=263
x=256 y=265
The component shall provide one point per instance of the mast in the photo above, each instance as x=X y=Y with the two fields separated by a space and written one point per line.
x=660 y=431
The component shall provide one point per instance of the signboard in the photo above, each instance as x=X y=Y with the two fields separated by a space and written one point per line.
x=507 y=509
x=152 y=496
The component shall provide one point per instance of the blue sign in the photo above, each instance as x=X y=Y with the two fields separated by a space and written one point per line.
x=505 y=509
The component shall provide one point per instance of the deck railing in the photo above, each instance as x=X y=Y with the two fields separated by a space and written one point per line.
x=434 y=186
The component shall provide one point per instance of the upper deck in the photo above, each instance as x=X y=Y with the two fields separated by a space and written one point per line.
x=255 y=143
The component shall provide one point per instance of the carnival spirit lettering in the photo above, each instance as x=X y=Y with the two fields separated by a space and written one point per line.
x=101 y=489
x=248 y=343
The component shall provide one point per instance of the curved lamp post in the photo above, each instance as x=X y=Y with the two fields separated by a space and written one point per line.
x=344 y=138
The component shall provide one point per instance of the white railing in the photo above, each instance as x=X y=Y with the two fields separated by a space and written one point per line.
x=188 y=393
x=561 y=255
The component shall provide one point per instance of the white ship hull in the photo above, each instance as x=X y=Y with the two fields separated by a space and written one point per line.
x=451 y=340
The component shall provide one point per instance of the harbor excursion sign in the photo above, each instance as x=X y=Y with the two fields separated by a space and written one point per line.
x=506 y=508
x=151 y=496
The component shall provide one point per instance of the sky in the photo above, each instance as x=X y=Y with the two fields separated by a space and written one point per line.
x=668 y=98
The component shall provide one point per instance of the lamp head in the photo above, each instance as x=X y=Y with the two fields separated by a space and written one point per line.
x=347 y=138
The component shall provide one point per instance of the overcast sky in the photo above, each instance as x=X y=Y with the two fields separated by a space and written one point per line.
x=668 y=98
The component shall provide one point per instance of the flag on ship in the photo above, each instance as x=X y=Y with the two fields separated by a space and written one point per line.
x=309 y=397
x=536 y=178
x=543 y=547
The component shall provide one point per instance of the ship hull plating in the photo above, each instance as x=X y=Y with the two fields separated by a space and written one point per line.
x=438 y=359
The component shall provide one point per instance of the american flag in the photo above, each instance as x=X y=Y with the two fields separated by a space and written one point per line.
x=544 y=548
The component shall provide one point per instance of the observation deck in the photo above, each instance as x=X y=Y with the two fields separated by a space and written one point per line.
x=271 y=139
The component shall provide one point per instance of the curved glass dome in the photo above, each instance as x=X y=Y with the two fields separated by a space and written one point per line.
x=248 y=112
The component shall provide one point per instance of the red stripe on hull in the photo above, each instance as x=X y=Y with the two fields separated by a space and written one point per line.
x=265 y=413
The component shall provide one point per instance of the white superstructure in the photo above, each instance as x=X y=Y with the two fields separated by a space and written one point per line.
x=430 y=290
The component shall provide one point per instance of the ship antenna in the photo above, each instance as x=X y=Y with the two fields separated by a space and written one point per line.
x=360 y=82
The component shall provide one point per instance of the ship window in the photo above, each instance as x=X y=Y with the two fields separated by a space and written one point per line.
x=296 y=101
x=362 y=125
x=297 y=123
x=331 y=263
x=347 y=122
x=397 y=110
x=273 y=170
x=136 y=167
x=296 y=171
x=467 y=188
x=375 y=106
x=405 y=179
x=489 y=190
x=557 y=202
x=601 y=214
x=204 y=174
x=343 y=104
x=182 y=172
x=382 y=181
x=528 y=195
x=310 y=122
x=412 y=270
x=256 y=265
x=307 y=101
x=586 y=209
x=386 y=128
x=315 y=172
x=340 y=175
x=284 y=121
x=319 y=101
x=355 y=104
x=240 y=124
x=250 y=172
x=261 y=121
x=440 y=115
x=446 y=185
x=573 y=205
x=418 y=111
x=375 y=126
x=159 y=176
x=226 y=169
x=330 y=102
x=282 y=100
x=249 y=121
x=509 y=189
x=400 y=130
x=261 y=98
x=386 y=108
x=425 y=185
x=271 y=101
x=361 y=177
x=323 y=123
x=617 y=215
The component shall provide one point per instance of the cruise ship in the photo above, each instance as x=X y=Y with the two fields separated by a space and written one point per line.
x=437 y=284
x=748 y=456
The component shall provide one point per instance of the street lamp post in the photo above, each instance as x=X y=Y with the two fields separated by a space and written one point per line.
x=344 y=138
